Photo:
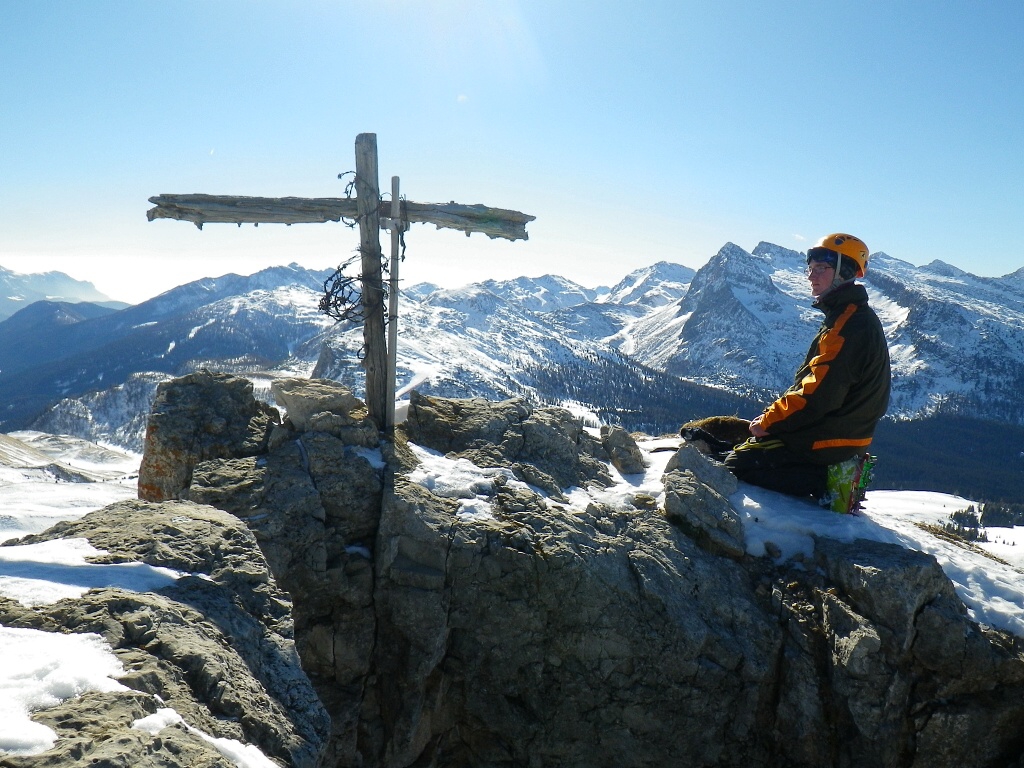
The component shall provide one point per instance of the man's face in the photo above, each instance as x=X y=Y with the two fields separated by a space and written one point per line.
x=820 y=275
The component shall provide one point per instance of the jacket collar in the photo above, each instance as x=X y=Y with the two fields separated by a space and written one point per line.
x=841 y=295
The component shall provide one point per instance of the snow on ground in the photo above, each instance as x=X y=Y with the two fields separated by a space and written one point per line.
x=32 y=498
x=242 y=755
x=987 y=576
x=108 y=461
x=48 y=571
x=39 y=669
x=31 y=503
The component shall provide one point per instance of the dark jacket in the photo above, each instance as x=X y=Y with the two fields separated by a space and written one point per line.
x=842 y=389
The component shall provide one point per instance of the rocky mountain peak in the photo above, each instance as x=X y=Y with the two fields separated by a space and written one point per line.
x=472 y=593
x=782 y=258
x=653 y=286
x=541 y=294
x=476 y=297
x=939 y=267
x=732 y=267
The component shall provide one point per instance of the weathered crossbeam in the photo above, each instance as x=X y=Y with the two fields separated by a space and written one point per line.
x=232 y=209
x=372 y=215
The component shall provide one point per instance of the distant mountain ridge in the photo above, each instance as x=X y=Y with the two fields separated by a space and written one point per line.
x=664 y=345
x=254 y=322
x=18 y=291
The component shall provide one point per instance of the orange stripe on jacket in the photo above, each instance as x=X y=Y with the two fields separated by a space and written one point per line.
x=839 y=443
x=828 y=348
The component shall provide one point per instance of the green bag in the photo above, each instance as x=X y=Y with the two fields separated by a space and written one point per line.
x=847 y=484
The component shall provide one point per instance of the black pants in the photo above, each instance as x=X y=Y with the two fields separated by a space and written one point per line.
x=770 y=464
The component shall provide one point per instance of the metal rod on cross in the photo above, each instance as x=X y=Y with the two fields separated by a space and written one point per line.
x=396 y=238
x=380 y=360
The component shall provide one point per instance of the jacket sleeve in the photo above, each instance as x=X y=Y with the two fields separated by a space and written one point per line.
x=824 y=381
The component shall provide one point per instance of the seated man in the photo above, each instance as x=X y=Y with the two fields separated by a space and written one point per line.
x=839 y=393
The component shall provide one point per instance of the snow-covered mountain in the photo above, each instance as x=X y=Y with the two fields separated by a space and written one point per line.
x=956 y=340
x=468 y=341
x=664 y=345
x=232 y=322
x=18 y=291
x=735 y=327
x=114 y=416
x=738 y=325
x=474 y=342
x=541 y=294
x=653 y=286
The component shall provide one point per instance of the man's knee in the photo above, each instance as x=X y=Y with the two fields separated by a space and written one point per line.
x=755 y=454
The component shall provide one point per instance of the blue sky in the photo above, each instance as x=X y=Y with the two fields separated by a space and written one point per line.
x=635 y=132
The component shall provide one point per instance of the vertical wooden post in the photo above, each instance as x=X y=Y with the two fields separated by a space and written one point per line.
x=367 y=209
x=396 y=235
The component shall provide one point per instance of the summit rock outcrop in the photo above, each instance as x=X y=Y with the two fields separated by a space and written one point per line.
x=532 y=621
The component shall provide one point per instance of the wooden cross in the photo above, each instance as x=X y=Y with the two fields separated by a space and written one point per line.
x=367 y=207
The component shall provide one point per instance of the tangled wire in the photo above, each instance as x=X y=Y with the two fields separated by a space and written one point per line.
x=342 y=299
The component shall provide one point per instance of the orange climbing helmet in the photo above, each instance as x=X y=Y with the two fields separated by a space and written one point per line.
x=831 y=247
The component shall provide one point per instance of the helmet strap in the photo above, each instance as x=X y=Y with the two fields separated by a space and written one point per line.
x=836 y=279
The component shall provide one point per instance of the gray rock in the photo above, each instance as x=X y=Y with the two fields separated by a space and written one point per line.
x=351 y=431
x=349 y=487
x=199 y=417
x=95 y=730
x=886 y=581
x=531 y=475
x=708 y=471
x=703 y=514
x=622 y=450
x=325 y=406
x=451 y=425
x=313 y=504
x=531 y=622
x=216 y=646
x=510 y=432
x=304 y=399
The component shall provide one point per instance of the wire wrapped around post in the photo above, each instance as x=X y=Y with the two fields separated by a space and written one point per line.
x=341 y=299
